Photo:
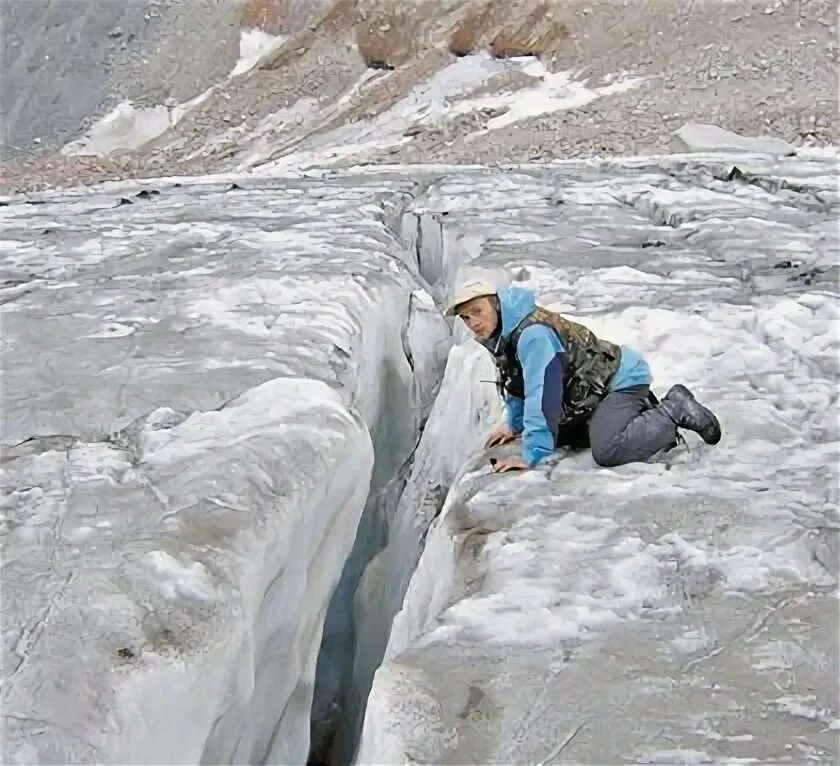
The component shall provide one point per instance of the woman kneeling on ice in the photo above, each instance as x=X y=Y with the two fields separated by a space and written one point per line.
x=563 y=386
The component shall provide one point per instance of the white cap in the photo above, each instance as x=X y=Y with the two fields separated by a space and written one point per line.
x=469 y=289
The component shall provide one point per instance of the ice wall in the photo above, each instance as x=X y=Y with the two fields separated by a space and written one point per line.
x=682 y=610
x=358 y=618
x=203 y=379
x=197 y=374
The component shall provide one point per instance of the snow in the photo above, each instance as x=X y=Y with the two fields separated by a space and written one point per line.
x=443 y=96
x=212 y=406
x=254 y=44
x=827 y=152
x=554 y=91
x=705 y=136
x=128 y=127
x=125 y=127
x=429 y=100
x=545 y=602
x=180 y=508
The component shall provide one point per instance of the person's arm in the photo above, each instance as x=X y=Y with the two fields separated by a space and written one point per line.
x=543 y=361
x=514 y=409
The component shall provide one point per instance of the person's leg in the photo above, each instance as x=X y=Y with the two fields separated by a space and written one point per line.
x=627 y=428
x=574 y=435
x=681 y=406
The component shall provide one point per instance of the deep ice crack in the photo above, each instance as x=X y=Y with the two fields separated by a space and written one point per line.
x=575 y=594
x=274 y=336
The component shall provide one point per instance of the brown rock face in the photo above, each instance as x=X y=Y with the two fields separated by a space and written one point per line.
x=537 y=32
x=507 y=28
x=467 y=34
x=388 y=33
x=267 y=15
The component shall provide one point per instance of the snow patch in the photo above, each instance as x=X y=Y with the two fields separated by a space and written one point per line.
x=439 y=98
x=188 y=581
x=704 y=136
x=254 y=44
x=555 y=92
x=128 y=127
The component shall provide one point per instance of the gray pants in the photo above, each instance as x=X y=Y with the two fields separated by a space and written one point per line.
x=625 y=428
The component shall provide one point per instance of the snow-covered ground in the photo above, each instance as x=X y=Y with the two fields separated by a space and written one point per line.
x=194 y=385
x=681 y=611
x=208 y=389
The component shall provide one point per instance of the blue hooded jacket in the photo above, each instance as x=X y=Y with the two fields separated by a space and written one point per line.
x=544 y=362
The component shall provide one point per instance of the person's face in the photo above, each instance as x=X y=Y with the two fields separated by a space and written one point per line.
x=480 y=316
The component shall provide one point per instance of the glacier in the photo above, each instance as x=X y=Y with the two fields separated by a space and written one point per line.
x=682 y=610
x=203 y=384
x=249 y=517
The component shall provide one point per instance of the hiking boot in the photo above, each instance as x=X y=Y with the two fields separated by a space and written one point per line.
x=681 y=406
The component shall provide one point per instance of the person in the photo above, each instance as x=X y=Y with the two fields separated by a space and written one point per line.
x=564 y=386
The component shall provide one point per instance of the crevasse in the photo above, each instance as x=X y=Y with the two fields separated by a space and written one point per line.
x=406 y=495
x=193 y=546
x=227 y=523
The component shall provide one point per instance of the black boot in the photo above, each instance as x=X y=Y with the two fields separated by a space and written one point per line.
x=681 y=406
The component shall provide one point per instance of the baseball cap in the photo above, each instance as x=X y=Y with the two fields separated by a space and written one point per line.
x=469 y=289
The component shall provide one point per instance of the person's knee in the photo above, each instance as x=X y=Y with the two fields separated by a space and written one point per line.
x=607 y=455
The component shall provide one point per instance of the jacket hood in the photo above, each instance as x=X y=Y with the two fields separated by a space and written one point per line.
x=515 y=304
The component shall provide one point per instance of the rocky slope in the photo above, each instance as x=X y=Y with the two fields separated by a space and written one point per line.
x=757 y=68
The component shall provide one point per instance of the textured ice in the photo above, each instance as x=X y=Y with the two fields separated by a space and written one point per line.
x=203 y=379
x=682 y=610
x=193 y=387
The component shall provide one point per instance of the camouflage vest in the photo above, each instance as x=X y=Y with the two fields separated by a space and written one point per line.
x=591 y=363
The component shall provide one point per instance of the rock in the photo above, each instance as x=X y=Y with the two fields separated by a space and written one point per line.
x=703 y=137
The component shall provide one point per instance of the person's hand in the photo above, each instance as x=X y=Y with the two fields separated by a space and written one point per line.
x=513 y=463
x=502 y=435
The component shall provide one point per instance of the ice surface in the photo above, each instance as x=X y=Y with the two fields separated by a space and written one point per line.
x=677 y=611
x=193 y=594
x=193 y=385
x=202 y=384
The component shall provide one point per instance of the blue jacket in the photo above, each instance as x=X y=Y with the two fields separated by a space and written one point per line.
x=543 y=360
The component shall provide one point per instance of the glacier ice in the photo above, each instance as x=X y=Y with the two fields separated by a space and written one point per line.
x=183 y=571
x=196 y=380
x=638 y=612
x=219 y=516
